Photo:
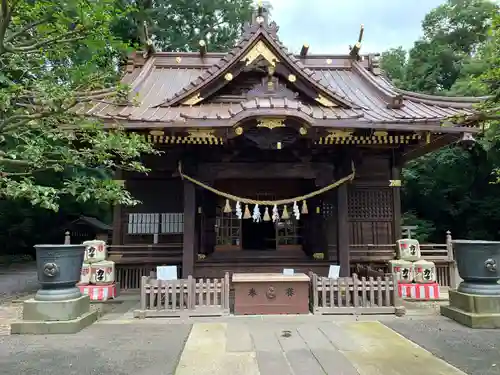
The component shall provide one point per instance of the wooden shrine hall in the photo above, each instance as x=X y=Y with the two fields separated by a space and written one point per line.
x=270 y=159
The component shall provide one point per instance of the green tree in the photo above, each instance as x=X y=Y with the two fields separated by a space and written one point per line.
x=393 y=63
x=58 y=58
x=453 y=34
x=178 y=25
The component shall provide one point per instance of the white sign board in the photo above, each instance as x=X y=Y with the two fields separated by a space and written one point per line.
x=166 y=273
x=334 y=272
x=288 y=271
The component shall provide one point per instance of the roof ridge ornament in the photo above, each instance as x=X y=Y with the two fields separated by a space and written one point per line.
x=260 y=19
x=354 y=51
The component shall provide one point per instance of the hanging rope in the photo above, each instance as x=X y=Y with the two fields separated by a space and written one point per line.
x=235 y=198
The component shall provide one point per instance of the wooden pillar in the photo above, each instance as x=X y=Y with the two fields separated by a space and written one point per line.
x=343 y=231
x=117 y=237
x=189 y=236
x=396 y=205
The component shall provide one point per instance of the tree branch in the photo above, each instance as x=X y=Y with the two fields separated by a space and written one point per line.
x=35 y=46
x=28 y=27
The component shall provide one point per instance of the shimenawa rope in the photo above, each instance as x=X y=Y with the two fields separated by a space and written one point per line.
x=269 y=203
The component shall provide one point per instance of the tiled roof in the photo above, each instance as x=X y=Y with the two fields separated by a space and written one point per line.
x=162 y=81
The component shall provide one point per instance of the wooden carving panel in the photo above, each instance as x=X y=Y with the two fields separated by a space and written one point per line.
x=370 y=203
x=370 y=215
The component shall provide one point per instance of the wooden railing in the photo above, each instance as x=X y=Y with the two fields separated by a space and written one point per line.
x=145 y=253
x=377 y=257
x=183 y=298
x=351 y=295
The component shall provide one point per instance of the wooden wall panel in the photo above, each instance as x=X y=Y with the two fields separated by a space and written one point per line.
x=371 y=202
x=156 y=195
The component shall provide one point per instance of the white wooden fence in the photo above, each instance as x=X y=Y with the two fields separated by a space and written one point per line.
x=351 y=295
x=183 y=298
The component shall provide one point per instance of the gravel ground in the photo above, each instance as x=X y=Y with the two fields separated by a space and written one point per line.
x=17 y=279
x=118 y=349
x=474 y=351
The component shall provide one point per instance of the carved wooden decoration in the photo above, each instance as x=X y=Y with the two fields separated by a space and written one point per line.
x=201 y=133
x=193 y=100
x=324 y=101
x=270 y=123
x=260 y=49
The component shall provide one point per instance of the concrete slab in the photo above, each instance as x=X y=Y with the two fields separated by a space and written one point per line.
x=386 y=352
x=205 y=354
x=99 y=349
x=329 y=357
x=273 y=363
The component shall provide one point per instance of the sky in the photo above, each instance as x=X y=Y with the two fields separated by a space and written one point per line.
x=330 y=26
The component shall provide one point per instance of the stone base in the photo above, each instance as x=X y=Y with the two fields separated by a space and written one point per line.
x=48 y=317
x=34 y=310
x=476 y=311
x=26 y=327
x=472 y=320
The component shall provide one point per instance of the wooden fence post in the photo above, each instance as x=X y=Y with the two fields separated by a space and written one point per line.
x=455 y=278
x=144 y=280
x=225 y=291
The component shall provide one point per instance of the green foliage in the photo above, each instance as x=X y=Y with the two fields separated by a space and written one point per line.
x=178 y=25
x=452 y=189
x=424 y=230
x=56 y=57
x=393 y=63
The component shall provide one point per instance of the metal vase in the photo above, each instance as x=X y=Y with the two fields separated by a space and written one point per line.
x=59 y=268
x=478 y=264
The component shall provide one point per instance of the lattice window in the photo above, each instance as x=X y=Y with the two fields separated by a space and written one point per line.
x=288 y=232
x=365 y=204
x=172 y=223
x=155 y=223
x=227 y=228
x=328 y=210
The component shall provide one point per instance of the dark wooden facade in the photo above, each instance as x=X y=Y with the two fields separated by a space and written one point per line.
x=261 y=123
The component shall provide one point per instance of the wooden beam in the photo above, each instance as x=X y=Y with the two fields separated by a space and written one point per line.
x=264 y=170
x=304 y=50
x=396 y=196
x=202 y=47
x=343 y=231
x=189 y=236
x=117 y=236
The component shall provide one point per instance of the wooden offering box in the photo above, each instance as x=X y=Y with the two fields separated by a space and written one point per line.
x=270 y=293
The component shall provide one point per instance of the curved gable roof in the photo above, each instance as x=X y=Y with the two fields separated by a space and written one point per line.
x=255 y=43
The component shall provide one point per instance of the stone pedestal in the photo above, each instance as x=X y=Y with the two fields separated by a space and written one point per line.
x=49 y=317
x=476 y=311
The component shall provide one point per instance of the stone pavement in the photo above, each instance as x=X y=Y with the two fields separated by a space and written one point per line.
x=331 y=348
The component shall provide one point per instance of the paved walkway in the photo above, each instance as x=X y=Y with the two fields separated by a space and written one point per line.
x=347 y=348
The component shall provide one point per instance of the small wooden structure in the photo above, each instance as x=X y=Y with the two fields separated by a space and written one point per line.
x=86 y=228
x=270 y=293
x=351 y=295
x=260 y=125
x=183 y=298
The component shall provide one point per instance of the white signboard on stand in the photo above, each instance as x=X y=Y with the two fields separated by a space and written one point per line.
x=334 y=272
x=288 y=271
x=166 y=273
